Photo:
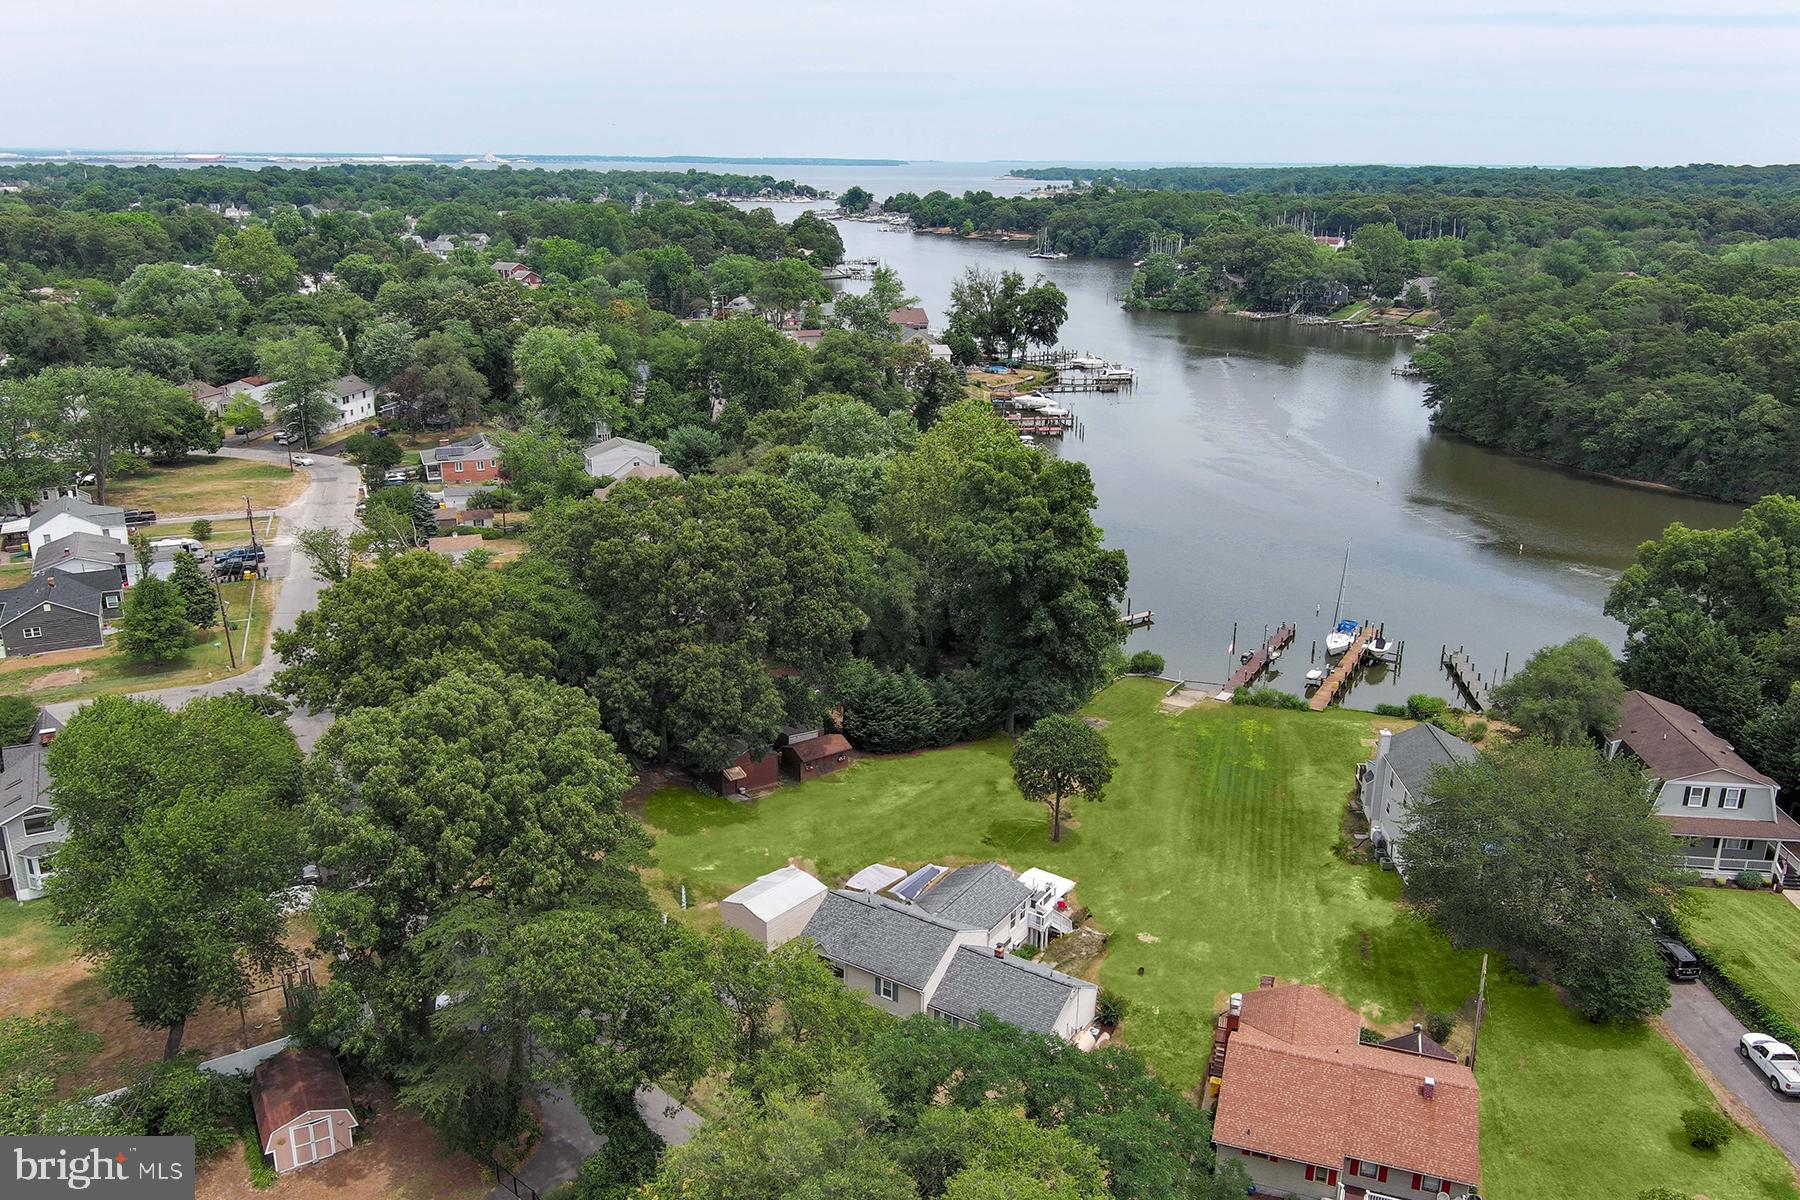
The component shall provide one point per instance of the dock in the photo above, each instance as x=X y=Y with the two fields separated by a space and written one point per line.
x=1139 y=619
x=1340 y=675
x=1462 y=671
x=1082 y=384
x=1251 y=668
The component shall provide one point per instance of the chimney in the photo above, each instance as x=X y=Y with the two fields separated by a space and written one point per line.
x=999 y=950
x=1234 y=1014
x=1428 y=1089
x=50 y=579
x=1381 y=744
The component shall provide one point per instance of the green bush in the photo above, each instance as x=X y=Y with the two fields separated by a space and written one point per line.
x=1267 y=697
x=1027 y=951
x=1110 y=1008
x=1439 y=1025
x=1145 y=662
x=262 y=1175
x=18 y=717
x=1751 y=881
x=176 y=1099
x=1390 y=710
x=1707 y=1128
x=1422 y=707
x=200 y=530
x=1477 y=731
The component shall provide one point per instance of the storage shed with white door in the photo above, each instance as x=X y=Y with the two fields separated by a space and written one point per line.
x=302 y=1108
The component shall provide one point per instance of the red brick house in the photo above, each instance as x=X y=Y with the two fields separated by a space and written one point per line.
x=1312 y=1112
x=518 y=273
x=470 y=460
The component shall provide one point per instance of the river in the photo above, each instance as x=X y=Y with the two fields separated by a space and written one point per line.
x=1251 y=454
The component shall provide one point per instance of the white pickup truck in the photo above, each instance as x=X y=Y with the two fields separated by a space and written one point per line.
x=1776 y=1060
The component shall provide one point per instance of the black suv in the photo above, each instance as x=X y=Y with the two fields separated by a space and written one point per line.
x=1678 y=958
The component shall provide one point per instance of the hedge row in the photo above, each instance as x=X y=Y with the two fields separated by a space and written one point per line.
x=1739 y=1000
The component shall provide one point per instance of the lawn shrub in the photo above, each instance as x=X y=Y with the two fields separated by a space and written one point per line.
x=1751 y=881
x=1707 y=1128
x=177 y=1099
x=262 y=1175
x=1267 y=697
x=1477 y=731
x=1145 y=662
x=1110 y=1008
x=1423 y=707
x=201 y=529
x=1439 y=1025
x=1390 y=710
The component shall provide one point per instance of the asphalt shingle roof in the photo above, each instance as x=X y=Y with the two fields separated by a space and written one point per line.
x=895 y=941
x=1022 y=993
x=1676 y=744
x=1414 y=752
x=78 y=590
x=99 y=514
x=978 y=896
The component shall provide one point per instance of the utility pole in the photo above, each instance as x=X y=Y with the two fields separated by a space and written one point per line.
x=1480 y=1013
x=250 y=517
x=225 y=620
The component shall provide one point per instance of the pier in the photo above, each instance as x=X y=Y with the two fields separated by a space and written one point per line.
x=1251 y=668
x=1138 y=619
x=1462 y=671
x=1346 y=667
x=1065 y=384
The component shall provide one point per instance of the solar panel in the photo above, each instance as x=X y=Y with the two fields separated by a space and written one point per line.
x=908 y=889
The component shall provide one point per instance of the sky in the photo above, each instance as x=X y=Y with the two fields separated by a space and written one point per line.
x=1578 y=82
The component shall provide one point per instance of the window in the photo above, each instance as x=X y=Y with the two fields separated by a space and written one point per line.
x=1367 y=1170
x=1731 y=797
x=39 y=820
x=459 y=468
x=1433 y=1186
x=32 y=631
x=1738 y=843
x=887 y=989
x=34 y=871
x=112 y=600
x=1694 y=796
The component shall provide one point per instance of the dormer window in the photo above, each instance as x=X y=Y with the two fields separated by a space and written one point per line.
x=1731 y=797
x=1695 y=796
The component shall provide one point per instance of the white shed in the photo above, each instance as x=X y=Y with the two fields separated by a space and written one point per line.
x=775 y=908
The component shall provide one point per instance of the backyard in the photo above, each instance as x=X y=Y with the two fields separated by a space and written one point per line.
x=75 y=674
x=1756 y=938
x=1212 y=861
x=202 y=484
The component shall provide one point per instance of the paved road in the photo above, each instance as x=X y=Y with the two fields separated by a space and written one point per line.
x=1710 y=1033
x=568 y=1138
x=329 y=500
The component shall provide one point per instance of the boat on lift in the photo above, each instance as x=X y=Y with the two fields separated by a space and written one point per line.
x=1339 y=639
x=1087 y=362
x=1314 y=678
x=1382 y=649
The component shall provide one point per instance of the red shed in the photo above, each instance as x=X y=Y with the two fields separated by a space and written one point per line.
x=814 y=756
x=750 y=772
x=302 y=1108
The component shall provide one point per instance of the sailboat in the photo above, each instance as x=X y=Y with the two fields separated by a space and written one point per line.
x=1343 y=631
x=1043 y=250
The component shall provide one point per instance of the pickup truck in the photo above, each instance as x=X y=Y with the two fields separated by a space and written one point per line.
x=1776 y=1060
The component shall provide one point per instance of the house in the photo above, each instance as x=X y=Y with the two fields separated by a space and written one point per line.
x=355 y=400
x=612 y=457
x=815 y=754
x=29 y=829
x=474 y=459
x=1332 y=241
x=476 y=518
x=806 y=337
x=655 y=471
x=912 y=321
x=58 y=610
x=1312 y=1112
x=906 y=960
x=254 y=386
x=210 y=396
x=1393 y=782
x=755 y=770
x=82 y=553
x=984 y=896
x=738 y=306
x=518 y=273
x=303 y=1111
x=66 y=515
x=1720 y=808
x=775 y=908
x=1427 y=285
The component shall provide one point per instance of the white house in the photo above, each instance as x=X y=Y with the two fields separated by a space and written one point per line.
x=1392 y=783
x=354 y=399
x=1718 y=806
x=29 y=830
x=82 y=552
x=66 y=514
x=613 y=457
x=775 y=908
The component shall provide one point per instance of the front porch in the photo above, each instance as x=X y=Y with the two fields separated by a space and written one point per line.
x=1725 y=858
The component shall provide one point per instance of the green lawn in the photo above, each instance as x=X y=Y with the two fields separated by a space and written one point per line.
x=1210 y=863
x=1756 y=938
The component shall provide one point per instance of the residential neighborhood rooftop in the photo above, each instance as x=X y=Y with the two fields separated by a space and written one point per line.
x=99 y=514
x=1676 y=744
x=895 y=941
x=1016 y=990
x=777 y=892
x=1414 y=753
x=980 y=896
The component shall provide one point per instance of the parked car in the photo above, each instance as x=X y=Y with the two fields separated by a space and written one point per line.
x=240 y=430
x=140 y=516
x=179 y=543
x=243 y=554
x=378 y=431
x=284 y=437
x=303 y=460
x=397 y=475
x=1776 y=1060
x=1678 y=959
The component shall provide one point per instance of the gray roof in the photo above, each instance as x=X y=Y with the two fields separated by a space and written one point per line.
x=77 y=590
x=1027 y=994
x=892 y=940
x=476 y=446
x=22 y=779
x=980 y=896
x=349 y=385
x=80 y=546
x=1414 y=752
x=99 y=514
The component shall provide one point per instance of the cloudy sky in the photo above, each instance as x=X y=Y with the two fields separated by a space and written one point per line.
x=1577 y=82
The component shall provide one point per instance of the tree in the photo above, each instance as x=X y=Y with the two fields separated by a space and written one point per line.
x=1058 y=757
x=692 y=448
x=198 y=600
x=200 y=529
x=869 y=311
x=304 y=366
x=787 y=285
x=376 y=454
x=1551 y=850
x=91 y=415
x=1565 y=693
x=540 y=464
x=383 y=350
x=256 y=263
x=242 y=413
x=328 y=550
x=180 y=299
x=386 y=631
x=443 y=372
x=18 y=720
x=693 y=591
x=1694 y=660
x=855 y=199
x=572 y=376
x=154 y=626
x=1387 y=256
x=1042 y=310
x=180 y=844
x=887 y=711
x=451 y=817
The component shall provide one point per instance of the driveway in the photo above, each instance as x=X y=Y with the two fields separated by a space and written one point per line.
x=329 y=500
x=1710 y=1033
x=567 y=1138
